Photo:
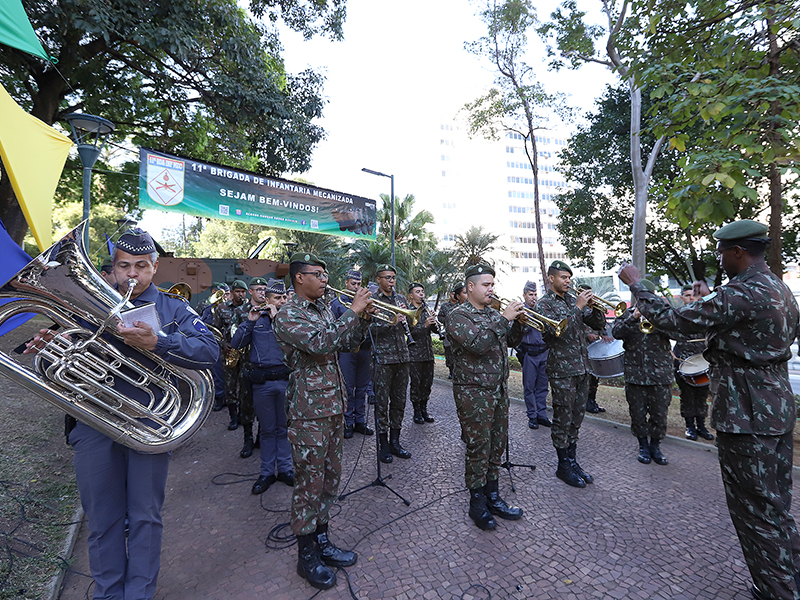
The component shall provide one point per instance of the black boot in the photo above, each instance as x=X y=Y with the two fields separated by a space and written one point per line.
x=655 y=453
x=425 y=416
x=571 y=450
x=384 y=454
x=234 y=413
x=701 y=429
x=219 y=404
x=418 y=416
x=691 y=431
x=309 y=564
x=479 y=512
x=330 y=554
x=497 y=506
x=644 y=451
x=394 y=445
x=247 y=448
x=565 y=472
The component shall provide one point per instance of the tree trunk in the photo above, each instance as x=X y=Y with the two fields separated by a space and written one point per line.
x=640 y=183
x=10 y=212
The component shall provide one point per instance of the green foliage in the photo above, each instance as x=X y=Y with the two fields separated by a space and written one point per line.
x=67 y=216
x=438 y=346
x=474 y=246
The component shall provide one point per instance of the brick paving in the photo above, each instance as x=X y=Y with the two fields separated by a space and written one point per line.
x=640 y=532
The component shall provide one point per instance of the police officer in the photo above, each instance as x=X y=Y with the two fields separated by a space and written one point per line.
x=268 y=377
x=458 y=296
x=223 y=321
x=648 y=381
x=568 y=366
x=480 y=337
x=122 y=491
x=532 y=353
x=694 y=398
x=356 y=370
x=421 y=355
x=390 y=368
x=749 y=324
x=310 y=338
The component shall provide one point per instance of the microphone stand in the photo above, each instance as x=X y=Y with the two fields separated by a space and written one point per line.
x=379 y=480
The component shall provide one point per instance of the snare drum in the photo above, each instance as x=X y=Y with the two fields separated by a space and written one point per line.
x=607 y=359
x=695 y=370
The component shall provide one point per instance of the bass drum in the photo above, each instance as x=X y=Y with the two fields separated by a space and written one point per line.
x=607 y=359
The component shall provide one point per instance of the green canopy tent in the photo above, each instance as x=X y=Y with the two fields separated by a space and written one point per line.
x=16 y=30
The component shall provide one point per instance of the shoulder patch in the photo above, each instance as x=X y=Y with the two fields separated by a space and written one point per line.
x=199 y=325
x=711 y=296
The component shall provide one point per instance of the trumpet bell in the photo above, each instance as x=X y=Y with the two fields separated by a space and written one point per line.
x=386 y=312
x=646 y=327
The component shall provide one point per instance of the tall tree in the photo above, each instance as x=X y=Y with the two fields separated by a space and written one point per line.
x=474 y=247
x=728 y=79
x=196 y=77
x=575 y=43
x=519 y=104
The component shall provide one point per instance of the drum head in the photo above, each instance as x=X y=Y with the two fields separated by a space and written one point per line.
x=694 y=365
x=601 y=350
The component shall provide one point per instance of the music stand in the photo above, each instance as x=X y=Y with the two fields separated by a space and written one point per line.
x=508 y=464
x=379 y=480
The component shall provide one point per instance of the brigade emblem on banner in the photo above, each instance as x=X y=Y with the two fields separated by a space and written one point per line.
x=165 y=180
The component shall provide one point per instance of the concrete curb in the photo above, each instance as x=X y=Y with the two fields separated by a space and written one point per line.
x=53 y=591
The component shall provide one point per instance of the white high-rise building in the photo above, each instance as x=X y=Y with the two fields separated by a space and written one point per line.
x=490 y=184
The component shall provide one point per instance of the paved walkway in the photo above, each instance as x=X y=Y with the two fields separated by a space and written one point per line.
x=640 y=532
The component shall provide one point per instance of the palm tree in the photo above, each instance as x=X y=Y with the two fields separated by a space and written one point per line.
x=367 y=255
x=409 y=231
x=329 y=248
x=474 y=246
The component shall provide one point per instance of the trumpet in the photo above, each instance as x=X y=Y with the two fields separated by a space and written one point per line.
x=387 y=313
x=619 y=308
x=646 y=326
x=180 y=290
x=534 y=319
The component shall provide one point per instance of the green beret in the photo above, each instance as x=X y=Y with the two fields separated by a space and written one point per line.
x=742 y=230
x=258 y=281
x=482 y=269
x=560 y=265
x=648 y=285
x=386 y=267
x=238 y=285
x=687 y=288
x=306 y=258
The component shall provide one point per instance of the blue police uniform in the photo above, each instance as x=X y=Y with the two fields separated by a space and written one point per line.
x=534 y=378
x=216 y=370
x=116 y=482
x=357 y=371
x=269 y=377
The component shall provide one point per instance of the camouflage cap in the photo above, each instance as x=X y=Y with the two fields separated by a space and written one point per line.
x=742 y=230
x=529 y=287
x=306 y=258
x=481 y=269
x=386 y=267
x=276 y=286
x=258 y=281
x=648 y=285
x=136 y=242
x=238 y=285
x=560 y=265
x=354 y=275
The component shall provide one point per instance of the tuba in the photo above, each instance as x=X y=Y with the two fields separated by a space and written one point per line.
x=78 y=371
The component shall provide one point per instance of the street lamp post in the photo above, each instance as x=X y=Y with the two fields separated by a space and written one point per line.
x=89 y=133
x=379 y=174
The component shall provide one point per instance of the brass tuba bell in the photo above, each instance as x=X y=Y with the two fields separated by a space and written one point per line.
x=78 y=371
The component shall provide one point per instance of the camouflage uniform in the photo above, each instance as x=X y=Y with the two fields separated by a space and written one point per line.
x=310 y=338
x=648 y=376
x=694 y=399
x=568 y=363
x=421 y=363
x=224 y=320
x=480 y=340
x=444 y=312
x=390 y=367
x=247 y=412
x=750 y=324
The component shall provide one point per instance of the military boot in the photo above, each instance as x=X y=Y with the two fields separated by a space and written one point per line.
x=418 y=416
x=571 y=450
x=565 y=472
x=219 y=404
x=691 y=431
x=701 y=429
x=330 y=554
x=309 y=563
x=497 y=506
x=655 y=453
x=425 y=416
x=394 y=445
x=478 y=511
x=234 y=413
x=644 y=451
x=247 y=448
x=384 y=454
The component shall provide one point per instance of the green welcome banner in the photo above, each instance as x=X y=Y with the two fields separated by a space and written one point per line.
x=176 y=184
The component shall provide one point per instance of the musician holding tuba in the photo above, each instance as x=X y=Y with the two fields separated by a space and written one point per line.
x=115 y=482
x=421 y=355
x=648 y=381
x=390 y=368
x=568 y=366
x=480 y=337
x=223 y=320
